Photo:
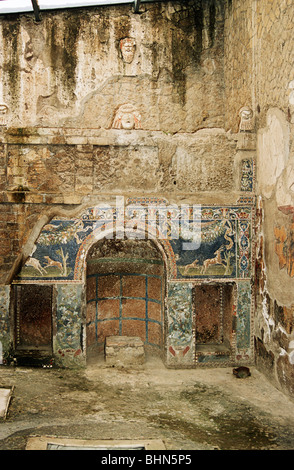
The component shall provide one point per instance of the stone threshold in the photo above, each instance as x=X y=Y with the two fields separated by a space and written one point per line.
x=56 y=443
x=87 y=137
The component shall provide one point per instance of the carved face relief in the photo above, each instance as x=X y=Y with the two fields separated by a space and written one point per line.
x=127 y=121
x=3 y=114
x=246 y=115
x=128 y=47
x=127 y=117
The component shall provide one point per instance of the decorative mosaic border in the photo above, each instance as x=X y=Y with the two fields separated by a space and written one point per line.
x=64 y=243
x=182 y=351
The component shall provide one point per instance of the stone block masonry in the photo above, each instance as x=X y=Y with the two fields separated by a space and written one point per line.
x=124 y=351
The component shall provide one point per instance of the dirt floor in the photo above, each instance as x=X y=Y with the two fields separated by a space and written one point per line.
x=199 y=409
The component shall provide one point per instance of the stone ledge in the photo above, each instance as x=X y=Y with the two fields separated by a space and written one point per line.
x=106 y=137
x=29 y=197
x=124 y=351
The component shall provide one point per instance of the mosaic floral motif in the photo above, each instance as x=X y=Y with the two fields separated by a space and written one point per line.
x=243 y=316
x=244 y=249
x=68 y=315
x=247 y=175
x=180 y=316
x=4 y=321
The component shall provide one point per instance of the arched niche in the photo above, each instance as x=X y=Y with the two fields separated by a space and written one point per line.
x=125 y=293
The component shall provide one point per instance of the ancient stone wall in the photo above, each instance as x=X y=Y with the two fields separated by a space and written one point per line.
x=73 y=72
x=238 y=46
x=259 y=73
x=69 y=69
x=103 y=103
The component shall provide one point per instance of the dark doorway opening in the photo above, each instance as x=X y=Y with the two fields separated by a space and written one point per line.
x=214 y=306
x=125 y=294
x=33 y=324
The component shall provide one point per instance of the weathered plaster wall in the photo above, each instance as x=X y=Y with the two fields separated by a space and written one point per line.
x=274 y=324
x=67 y=73
x=238 y=60
x=67 y=70
x=42 y=178
x=67 y=146
x=259 y=47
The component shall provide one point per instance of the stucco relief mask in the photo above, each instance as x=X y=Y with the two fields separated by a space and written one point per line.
x=128 y=47
x=3 y=114
x=246 y=121
x=127 y=117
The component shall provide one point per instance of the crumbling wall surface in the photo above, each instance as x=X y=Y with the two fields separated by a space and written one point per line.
x=51 y=171
x=97 y=103
x=258 y=69
x=69 y=69
x=18 y=225
x=274 y=88
x=259 y=47
x=275 y=312
x=238 y=46
x=68 y=82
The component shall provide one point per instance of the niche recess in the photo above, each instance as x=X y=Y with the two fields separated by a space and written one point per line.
x=33 y=324
x=125 y=292
x=214 y=318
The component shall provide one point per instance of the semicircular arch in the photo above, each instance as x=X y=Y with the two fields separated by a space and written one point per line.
x=96 y=235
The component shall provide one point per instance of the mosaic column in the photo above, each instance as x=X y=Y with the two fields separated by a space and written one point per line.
x=4 y=324
x=68 y=341
x=180 y=338
x=243 y=327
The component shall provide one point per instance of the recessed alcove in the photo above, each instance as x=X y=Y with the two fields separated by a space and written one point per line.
x=33 y=324
x=214 y=318
x=124 y=294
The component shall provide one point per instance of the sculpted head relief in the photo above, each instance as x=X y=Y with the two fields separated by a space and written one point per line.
x=3 y=114
x=127 y=47
x=246 y=119
x=127 y=117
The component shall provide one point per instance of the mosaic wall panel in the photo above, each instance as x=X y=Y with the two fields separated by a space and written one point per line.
x=212 y=242
x=207 y=242
x=68 y=342
x=225 y=247
x=4 y=323
x=180 y=336
x=243 y=327
x=247 y=175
